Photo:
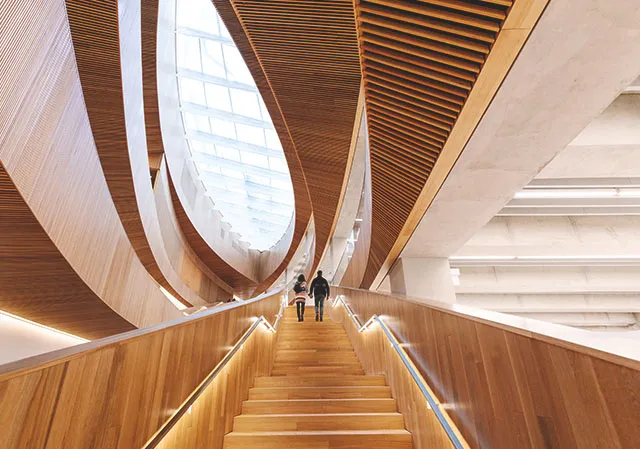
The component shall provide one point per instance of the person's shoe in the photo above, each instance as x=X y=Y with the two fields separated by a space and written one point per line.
x=317 y=317
x=302 y=319
x=299 y=319
x=320 y=318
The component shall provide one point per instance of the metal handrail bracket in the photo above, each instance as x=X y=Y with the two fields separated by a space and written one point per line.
x=430 y=397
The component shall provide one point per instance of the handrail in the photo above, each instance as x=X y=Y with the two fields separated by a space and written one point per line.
x=186 y=405
x=432 y=402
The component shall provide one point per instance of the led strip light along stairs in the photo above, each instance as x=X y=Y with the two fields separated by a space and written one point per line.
x=318 y=396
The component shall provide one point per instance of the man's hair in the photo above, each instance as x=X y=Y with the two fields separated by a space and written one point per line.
x=319 y=272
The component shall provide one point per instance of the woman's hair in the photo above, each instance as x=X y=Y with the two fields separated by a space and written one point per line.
x=301 y=278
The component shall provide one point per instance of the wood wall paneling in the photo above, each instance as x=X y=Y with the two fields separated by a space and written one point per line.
x=117 y=392
x=309 y=55
x=508 y=388
x=48 y=150
x=429 y=75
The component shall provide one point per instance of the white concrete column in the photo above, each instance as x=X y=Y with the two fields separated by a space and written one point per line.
x=428 y=278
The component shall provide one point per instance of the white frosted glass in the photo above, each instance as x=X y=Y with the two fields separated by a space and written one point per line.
x=192 y=91
x=223 y=128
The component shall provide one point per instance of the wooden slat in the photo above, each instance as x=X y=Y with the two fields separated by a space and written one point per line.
x=36 y=281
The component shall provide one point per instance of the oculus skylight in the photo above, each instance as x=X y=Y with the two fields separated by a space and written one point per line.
x=232 y=141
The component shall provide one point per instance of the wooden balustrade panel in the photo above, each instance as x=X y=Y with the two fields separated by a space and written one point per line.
x=117 y=392
x=48 y=150
x=212 y=414
x=378 y=358
x=507 y=388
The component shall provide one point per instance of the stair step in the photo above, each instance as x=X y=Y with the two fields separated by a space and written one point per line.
x=317 y=345
x=305 y=370
x=319 y=381
x=372 y=439
x=333 y=421
x=320 y=392
x=319 y=361
x=314 y=355
x=294 y=406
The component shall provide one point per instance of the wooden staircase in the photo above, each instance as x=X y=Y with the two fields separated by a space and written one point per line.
x=317 y=396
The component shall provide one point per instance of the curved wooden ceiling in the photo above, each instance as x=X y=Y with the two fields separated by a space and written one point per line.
x=420 y=61
x=37 y=282
x=300 y=190
x=308 y=52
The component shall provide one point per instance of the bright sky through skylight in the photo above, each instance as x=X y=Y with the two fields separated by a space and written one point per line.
x=230 y=134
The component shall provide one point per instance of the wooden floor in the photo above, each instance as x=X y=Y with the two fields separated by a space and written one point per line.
x=318 y=396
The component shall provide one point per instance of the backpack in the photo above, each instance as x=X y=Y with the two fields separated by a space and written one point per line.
x=298 y=288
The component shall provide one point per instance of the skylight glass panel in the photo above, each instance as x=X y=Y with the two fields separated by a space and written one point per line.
x=251 y=134
x=245 y=103
x=218 y=97
x=234 y=146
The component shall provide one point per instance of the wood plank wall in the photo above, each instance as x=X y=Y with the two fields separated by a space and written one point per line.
x=116 y=393
x=508 y=388
x=376 y=356
x=36 y=281
x=47 y=148
x=309 y=54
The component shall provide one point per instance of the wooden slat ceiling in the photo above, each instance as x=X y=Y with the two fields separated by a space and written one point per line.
x=420 y=60
x=308 y=51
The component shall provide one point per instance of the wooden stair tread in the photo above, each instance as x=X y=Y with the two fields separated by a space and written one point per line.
x=315 y=421
x=320 y=380
x=382 y=391
x=327 y=432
